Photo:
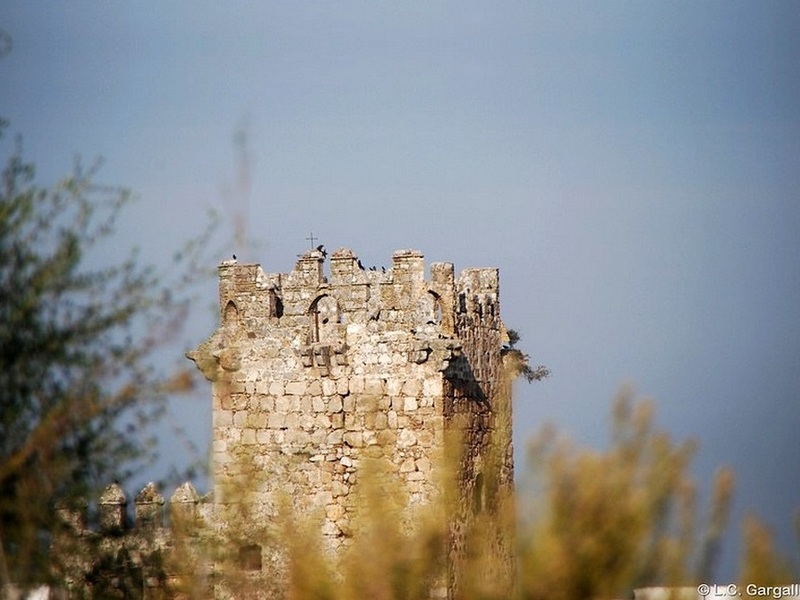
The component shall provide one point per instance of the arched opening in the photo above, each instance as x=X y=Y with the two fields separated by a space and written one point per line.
x=230 y=315
x=324 y=313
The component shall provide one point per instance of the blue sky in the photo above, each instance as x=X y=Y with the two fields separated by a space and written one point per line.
x=633 y=168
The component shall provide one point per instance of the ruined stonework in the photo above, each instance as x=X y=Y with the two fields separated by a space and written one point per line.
x=313 y=373
x=316 y=375
x=140 y=558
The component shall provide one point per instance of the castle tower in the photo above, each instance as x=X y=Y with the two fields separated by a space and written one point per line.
x=312 y=375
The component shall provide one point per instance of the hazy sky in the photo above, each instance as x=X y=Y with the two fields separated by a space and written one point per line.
x=633 y=168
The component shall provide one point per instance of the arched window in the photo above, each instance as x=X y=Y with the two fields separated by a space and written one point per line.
x=231 y=314
x=324 y=313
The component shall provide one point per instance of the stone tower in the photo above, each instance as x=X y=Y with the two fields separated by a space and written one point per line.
x=313 y=373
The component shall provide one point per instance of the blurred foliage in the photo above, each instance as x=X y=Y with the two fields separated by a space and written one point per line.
x=607 y=522
x=78 y=383
x=597 y=525
x=761 y=562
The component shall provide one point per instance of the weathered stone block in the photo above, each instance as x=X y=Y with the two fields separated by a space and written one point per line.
x=425 y=437
x=353 y=439
x=276 y=420
x=334 y=437
x=296 y=388
x=265 y=403
x=335 y=404
x=385 y=438
x=348 y=404
x=357 y=384
x=411 y=387
x=334 y=511
x=352 y=422
x=223 y=418
x=257 y=420
x=373 y=386
x=393 y=386
x=407 y=465
x=328 y=387
x=423 y=465
x=409 y=404
x=406 y=438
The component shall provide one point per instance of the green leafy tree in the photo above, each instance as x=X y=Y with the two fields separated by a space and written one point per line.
x=77 y=384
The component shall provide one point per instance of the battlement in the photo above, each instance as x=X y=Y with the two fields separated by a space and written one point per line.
x=185 y=505
x=121 y=557
x=399 y=295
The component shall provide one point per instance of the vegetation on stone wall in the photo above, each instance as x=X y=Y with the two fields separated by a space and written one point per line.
x=519 y=362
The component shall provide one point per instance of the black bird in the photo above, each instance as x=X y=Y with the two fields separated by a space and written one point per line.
x=360 y=266
x=321 y=248
x=234 y=257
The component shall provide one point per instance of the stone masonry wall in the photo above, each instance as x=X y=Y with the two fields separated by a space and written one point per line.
x=140 y=558
x=313 y=374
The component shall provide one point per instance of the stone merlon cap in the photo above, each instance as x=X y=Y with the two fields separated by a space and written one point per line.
x=185 y=493
x=113 y=494
x=149 y=495
x=407 y=254
x=343 y=253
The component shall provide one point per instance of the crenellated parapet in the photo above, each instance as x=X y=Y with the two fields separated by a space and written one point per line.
x=311 y=313
x=148 y=510
x=138 y=555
